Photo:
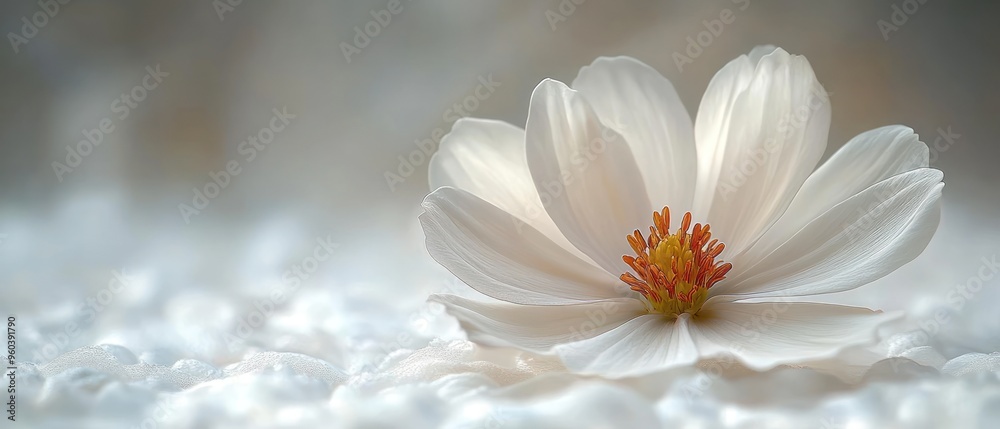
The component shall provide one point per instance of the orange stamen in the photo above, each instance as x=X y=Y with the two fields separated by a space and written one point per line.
x=675 y=271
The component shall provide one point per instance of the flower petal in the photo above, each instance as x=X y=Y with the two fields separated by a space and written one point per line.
x=585 y=174
x=760 y=51
x=767 y=334
x=496 y=254
x=640 y=346
x=856 y=242
x=865 y=160
x=761 y=129
x=537 y=328
x=486 y=158
x=641 y=105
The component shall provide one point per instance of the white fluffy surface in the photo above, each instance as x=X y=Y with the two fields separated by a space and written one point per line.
x=166 y=352
x=457 y=384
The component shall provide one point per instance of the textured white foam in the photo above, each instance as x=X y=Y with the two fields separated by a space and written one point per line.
x=457 y=384
x=373 y=356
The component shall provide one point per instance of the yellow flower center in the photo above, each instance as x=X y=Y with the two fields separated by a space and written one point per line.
x=675 y=270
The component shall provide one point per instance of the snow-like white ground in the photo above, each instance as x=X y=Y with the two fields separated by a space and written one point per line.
x=166 y=351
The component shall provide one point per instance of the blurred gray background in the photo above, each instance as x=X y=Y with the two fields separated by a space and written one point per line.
x=325 y=174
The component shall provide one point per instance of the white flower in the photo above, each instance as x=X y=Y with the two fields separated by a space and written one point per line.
x=565 y=221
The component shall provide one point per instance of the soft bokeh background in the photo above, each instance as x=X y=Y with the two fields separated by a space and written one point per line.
x=324 y=176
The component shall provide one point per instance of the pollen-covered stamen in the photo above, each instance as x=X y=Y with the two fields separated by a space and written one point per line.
x=675 y=270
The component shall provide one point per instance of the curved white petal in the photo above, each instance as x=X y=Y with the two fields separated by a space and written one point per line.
x=486 y=158
x=715 y=112
x=494 y=253
x=537 y=328
x=865 y=160
x=585 y=174
x=759 y=52
x=857 y=241
x=761 y=129
x=767 y=334
x=640 y=346
x=641 y=105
